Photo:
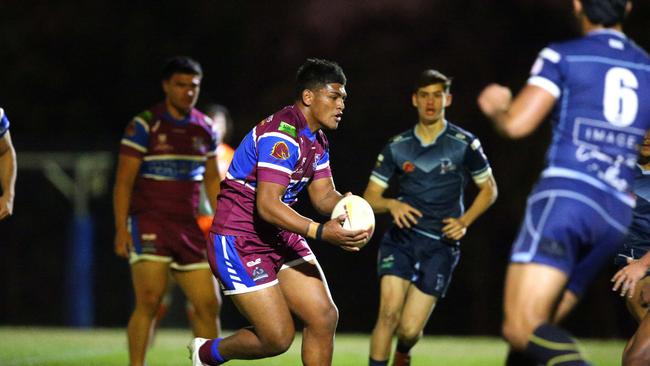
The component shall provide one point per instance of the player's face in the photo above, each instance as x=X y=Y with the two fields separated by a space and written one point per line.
x=182 y=91
x=430 y=102
x=327 y=105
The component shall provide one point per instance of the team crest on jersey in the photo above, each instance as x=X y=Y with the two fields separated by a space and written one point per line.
x=408 y=167
x=446 y=166
x=280 y=151
x=161 y=144
x=198 y=143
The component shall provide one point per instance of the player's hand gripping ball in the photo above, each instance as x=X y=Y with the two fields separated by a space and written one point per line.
x=359 y=214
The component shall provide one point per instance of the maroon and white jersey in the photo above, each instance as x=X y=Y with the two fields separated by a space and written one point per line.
x=280 y=149
x=173 y=154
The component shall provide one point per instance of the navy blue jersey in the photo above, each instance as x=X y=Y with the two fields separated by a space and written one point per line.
x=602 y=82
x=432 y=177
x=4 y=123
x=639 y=231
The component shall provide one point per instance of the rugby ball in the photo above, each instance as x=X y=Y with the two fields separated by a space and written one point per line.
x=359 y=214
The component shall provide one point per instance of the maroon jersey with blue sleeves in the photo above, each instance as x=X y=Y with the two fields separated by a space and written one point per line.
x=173 y=154
x=280 y=149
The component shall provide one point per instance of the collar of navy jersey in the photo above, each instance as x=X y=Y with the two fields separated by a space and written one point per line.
x=607 y=31
x=442 y=132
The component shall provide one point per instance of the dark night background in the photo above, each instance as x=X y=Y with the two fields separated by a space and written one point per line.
x=75 y=72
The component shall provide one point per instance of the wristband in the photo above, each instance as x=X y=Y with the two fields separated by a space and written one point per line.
x=312 y=230
x=319 y=232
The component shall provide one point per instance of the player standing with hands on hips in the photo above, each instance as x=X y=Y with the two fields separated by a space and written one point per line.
x=257 y=247
x=433 y=162
x=597 y=88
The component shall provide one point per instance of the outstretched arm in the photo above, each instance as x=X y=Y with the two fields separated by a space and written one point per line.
x=455 y=228
x=272 y=210
x=519 y=117
x=7 y=175
x=404 y=215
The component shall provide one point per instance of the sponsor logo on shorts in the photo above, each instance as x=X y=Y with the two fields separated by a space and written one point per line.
x=440 y=282
x=551 y=248
x=254 y=263
x=280 y=150
x=388 y=262
x=148 y=247
x=259 y=273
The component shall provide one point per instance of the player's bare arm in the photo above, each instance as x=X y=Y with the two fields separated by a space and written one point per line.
x=127 y=170
x=404 y=215
x=516 y=118
x=627 y=277
x=8 y=176
x=211 y=180
x=456 y=228
x=271 y=209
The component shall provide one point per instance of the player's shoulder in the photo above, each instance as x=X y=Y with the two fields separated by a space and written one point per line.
x=460 y=134
x=284 y=123
x=148 y=116
x=401 y=137
x=202 y=119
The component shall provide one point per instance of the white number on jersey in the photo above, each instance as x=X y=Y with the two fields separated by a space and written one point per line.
x=620 y=101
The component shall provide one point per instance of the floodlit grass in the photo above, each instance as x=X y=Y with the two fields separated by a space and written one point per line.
x=107 y=347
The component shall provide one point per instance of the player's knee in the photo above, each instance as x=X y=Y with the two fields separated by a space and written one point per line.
x=515 y=334
x=208 y=307
x=409 y=333
x=324 y=319
x=389 y=317
x=149 y=301
x=277 y=342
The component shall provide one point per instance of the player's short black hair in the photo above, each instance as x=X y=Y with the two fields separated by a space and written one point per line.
x=181 y=65
x=432 y=77
x=605 y=12
x=315 y=73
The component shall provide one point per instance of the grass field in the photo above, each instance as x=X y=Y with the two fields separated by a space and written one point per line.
x=107 y=347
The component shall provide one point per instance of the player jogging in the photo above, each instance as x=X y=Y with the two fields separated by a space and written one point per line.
x=433 y=162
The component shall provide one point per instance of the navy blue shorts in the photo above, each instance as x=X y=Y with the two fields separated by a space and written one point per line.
x=426 y=262
x=572 y=226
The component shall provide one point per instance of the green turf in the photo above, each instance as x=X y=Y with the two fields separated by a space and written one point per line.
x=107 y=347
